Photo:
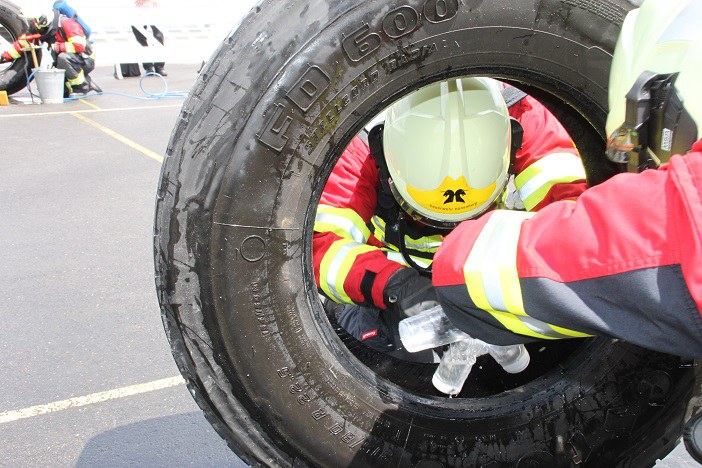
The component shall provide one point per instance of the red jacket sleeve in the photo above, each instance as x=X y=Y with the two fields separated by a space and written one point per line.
x=622 y=261
x=349 y=264
x=548 y=166
x=16 y=49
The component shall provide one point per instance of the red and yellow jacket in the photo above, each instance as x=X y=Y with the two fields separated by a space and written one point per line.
x=69 y=37
x=624 y=260
x=353 y=256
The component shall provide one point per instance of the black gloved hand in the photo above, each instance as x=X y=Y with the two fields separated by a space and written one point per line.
x=408 y=293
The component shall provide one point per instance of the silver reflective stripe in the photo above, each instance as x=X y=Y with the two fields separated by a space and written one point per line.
x=378 y=228
x=395 y=257
x=422 y=245
x=541 y=327
x=512 y=199
x=344 y=223
x=492 y=277
x=399 y=258
x=499 y=257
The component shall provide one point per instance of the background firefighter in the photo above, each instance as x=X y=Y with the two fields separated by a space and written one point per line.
x=69 y=47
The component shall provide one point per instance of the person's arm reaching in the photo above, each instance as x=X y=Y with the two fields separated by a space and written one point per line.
x=548 y=167
x=623 y=261
x=350 y=265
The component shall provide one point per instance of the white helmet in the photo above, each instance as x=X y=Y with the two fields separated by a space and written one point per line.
x=655 y=99
x=447 y=147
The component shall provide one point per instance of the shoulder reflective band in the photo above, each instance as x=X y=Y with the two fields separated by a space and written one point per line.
x=344 y=222
x=335 y=267
x=534 y=182
x=493 y=282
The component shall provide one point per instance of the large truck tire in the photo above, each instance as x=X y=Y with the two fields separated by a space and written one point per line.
x=255 y=142
x=13 y=76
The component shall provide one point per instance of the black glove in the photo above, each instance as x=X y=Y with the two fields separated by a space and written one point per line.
x=408 y=293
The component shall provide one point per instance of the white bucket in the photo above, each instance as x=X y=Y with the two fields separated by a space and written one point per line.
x=50 y=83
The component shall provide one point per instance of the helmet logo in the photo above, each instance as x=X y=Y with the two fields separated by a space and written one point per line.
x=454 y=197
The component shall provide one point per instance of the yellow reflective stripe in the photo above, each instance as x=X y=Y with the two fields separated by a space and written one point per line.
x=423 y=244
x=536 y=180
x=516 y=324
x=73 y=41
x=491 y=267
x=13 y=53
x=569 y=333
x=378 y=228
x=344 y=222
x=78 y=79
x=492 y=279
x=335 y=267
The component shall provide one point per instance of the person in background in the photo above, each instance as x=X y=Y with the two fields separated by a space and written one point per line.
x=142 y=33
x=69 y=47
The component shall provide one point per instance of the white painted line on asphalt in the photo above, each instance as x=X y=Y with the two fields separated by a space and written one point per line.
x=91 y=399
x=89 y=111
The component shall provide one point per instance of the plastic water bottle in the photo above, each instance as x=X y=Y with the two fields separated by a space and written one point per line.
x=513 y=358
x=456 y=364
x=428 y=329
x=432 y=328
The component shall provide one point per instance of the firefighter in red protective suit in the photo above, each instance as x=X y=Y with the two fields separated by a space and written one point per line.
x=446 y=153
x=625 y=259
x=69 y=48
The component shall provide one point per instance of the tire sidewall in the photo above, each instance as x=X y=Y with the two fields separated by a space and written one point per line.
x=258 y=299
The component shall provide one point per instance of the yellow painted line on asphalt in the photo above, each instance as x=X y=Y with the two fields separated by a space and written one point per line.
x=90 y=111
x=88 y=103
x=93 y=398
x=119 y=137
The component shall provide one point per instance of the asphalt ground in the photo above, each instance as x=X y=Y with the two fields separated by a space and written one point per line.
x=86 y=374
x=77 y=299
